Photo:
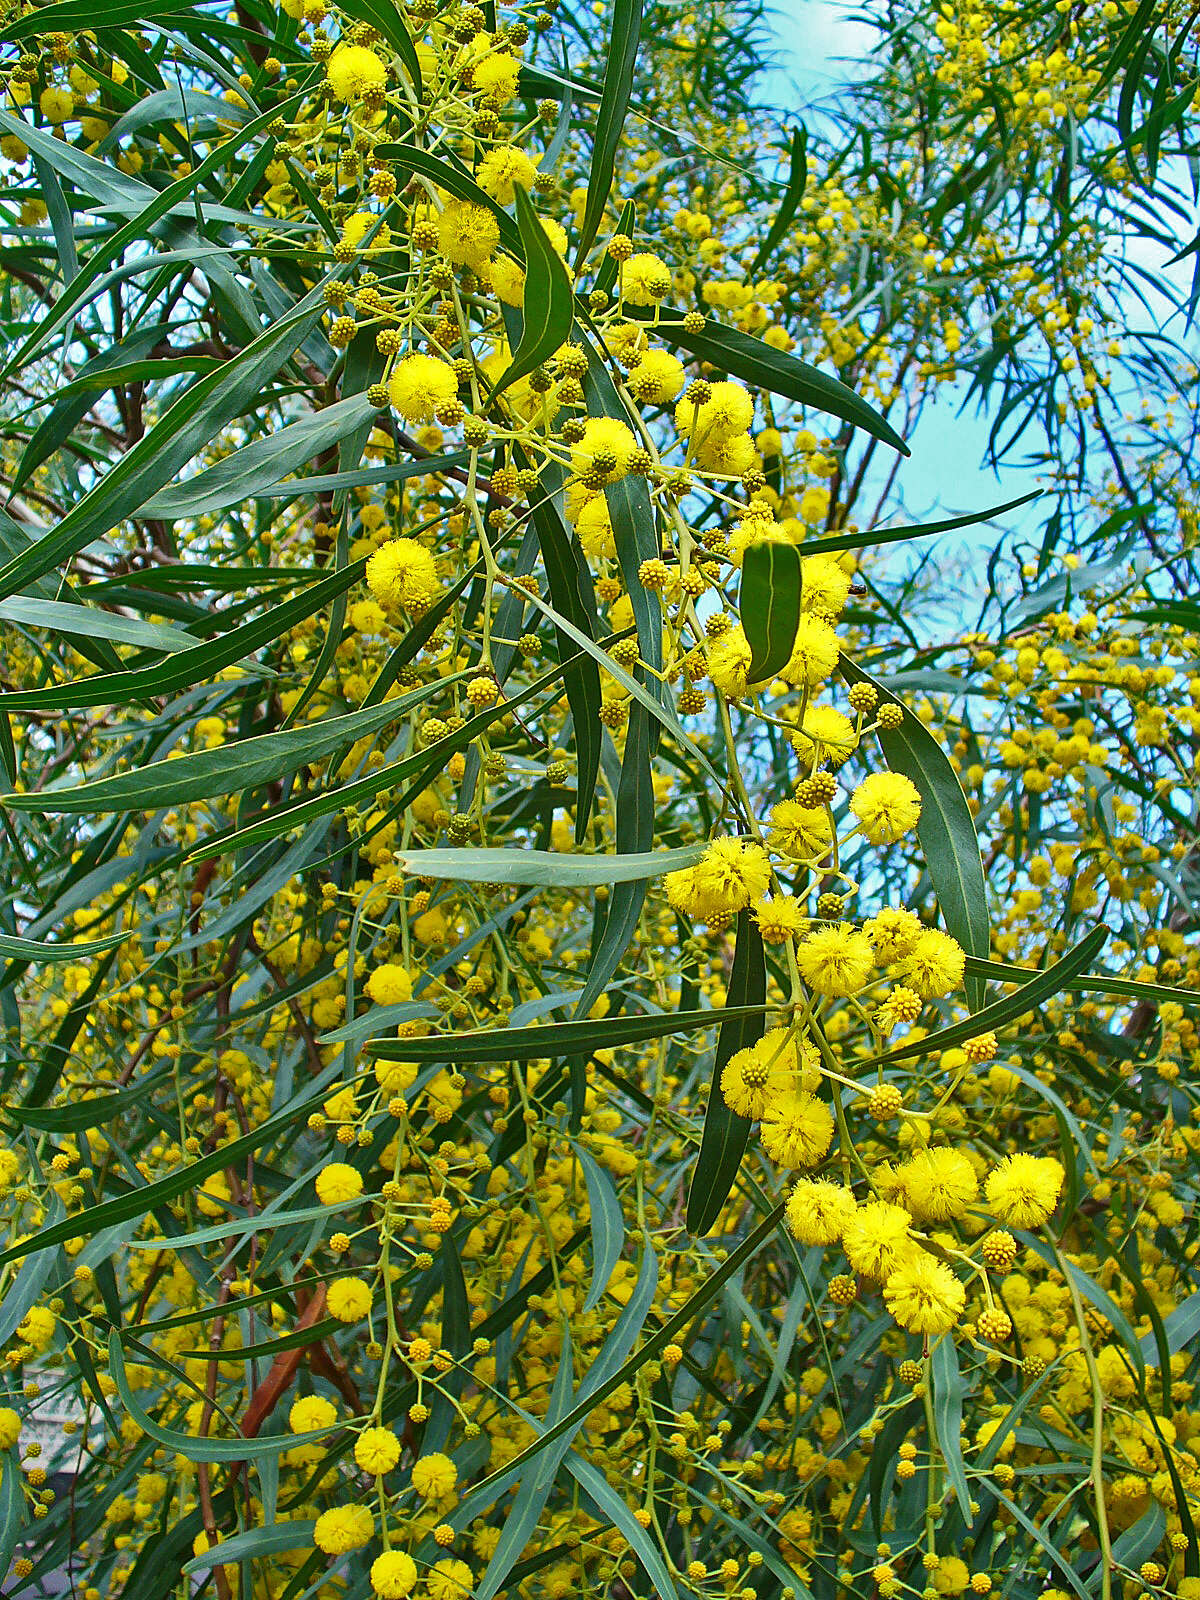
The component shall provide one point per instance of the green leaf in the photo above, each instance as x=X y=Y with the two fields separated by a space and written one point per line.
x=261 y=464
x=554 y=868
x=610 y=118
x=38 y=950
x=296 y=1534
x=553 y=1039
x=59 y=617
x=778 y=372
x=607 y=1224
x=769 y=605
x=871 y=537
x=1049 y=982
x=88 y=1113
x=723 y=1142
x=228 y=769
x=607 y=1500
x=548 y=304
x=12 y=1504
x=388 y=21
x=948 y=1392
x=946 y=829
x=455 y=178
x=792 y=196
x=69 y=16
x=1088 y=983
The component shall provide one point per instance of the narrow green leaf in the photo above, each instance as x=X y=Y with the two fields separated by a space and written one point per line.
x=769 y=605
x=40 y=951
x=544 y=867
x=723 y=1142
x=294 y=1534
x=948 y=1392
x=792 y=196
x=553 y=1039
x=610 y=118
x=946 y=829
x=607 y=1224
x=59 y=617
x=548 y=307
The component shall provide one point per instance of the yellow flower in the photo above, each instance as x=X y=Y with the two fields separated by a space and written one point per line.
x=814 y=652
x=825 y=731
x=402 y=574
x=311 y=1412
x=729 y=410
x=390 y=985
x=1024 y=1189
x=887 y=805
x=343 y=1529
x=337 y=1182
x=818 y=1210
x=836 y=960
x=349 y=1299
x=657 y=378
x=393 y=1575
x=752 y=1077
x=420 y=386
x=731 y=875
x=893 y=932
x=449 y=1580
x=645 y=279
x=934 y=966
x=497 y=76
x=802 y=833
x=939 y=1184
x=377 y=1450
x=434 y=1476
x=779 y=918
x=608 y=439
x=796 y=1129
x=354 y=71
x=824 y=584
x=923 y=1295
x=467 y=234
x=56 y=104
x=503 y=170
x=876 y=1238
x=728 y=659
x=10 y=1427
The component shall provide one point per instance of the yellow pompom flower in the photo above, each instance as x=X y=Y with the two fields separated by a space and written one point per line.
x=390 y=985
x=796 y=1129
x=729 y=455
x=731 y=875
x=10 y=1427
x=355 y=71
x=818 y=1211
x=604 y=437
x=1024 y=1189
x=814 y=652
x=893 y=932
x=402 y=574
x=887 y=805
x=825 y=731
x=497 y=77
x=824 y=584
x=310 y=1412
x=349 y=1299
x=728 y=411
x=728 y=660
x=434 y=1476
x=420 y=386
x=56 y=104
x=343 y=1529
x=467 y=234
x=751 y=1078
x=939 y=1184
x=377 y=1450
x=393 y=1575
x=356 y=227
x=876 y=1238
x=449 y=1580
x=923 y=1295
x=836 y=960
x=503 y=170
x=645 y=279
x=802 y=833
x=338 y=1182
x=935 y=964
x=657 y=378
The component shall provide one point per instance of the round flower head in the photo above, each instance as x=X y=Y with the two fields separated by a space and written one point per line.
x=836 y=960
x=728 y=410
x=393 y=1575
x=390 y=984
x=467 y=234
x=420 y=386
x=824 y=585
x=56 y=104
x=751 y=1078
x=923 y=1295
x=731 y=875
x=594 y=527
x=727 y=455
x=657 y=378
x=355 y=71
x=681 y=891
x=349 y=1299
x=814 y=652
x=818 y=1211
x=939 y=1184
x=356 y=227
x=496 y=76
x=876 y=1239
x=645 y=279
x=802 y=833
x=449 y=1580
x=779 y=917
x=887 y=805
x=608 y=440
x=434 y=1476
x=1023 y=1190
x=10 y=1427
x=796 y=1129
x=311 y=1412
x=503 y=170
x=935 y=964
x=825 y=731
x=402 y=574
x=343 y=1529
x=728 y=659
x=377 y=1450
x=337 y=1183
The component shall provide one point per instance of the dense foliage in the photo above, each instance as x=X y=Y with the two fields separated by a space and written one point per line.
x=587 y=1007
